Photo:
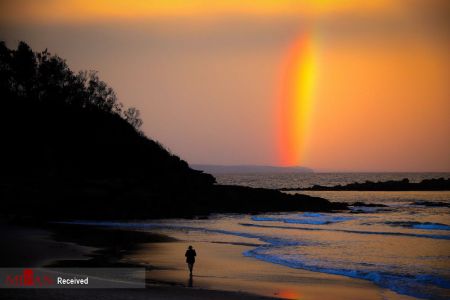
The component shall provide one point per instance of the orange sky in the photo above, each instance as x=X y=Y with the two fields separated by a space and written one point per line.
x=206 y=75
x=95 y=10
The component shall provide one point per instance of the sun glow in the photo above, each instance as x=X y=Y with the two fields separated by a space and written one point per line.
x=98 y=10
x=297 y=99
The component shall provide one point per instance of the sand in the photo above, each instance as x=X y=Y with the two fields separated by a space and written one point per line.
x=221 y=271
x=223 y=267
x=25 y=246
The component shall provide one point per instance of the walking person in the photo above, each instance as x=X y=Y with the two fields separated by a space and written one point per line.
x=190 y=258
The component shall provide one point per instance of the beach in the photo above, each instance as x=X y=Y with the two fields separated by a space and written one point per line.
x=354 y=254
x=223 y=267
x=42 y=246
x=221 y=271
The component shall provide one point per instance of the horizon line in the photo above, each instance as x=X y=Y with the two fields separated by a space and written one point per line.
x=316 y=170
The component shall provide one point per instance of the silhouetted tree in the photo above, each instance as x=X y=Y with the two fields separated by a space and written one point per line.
x=46 y=77
x=60 y=123
x=132 y=117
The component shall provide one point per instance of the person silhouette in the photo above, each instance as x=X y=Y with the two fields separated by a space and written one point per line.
x=190 y=258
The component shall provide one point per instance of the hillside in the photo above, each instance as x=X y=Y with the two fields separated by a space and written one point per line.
x=71 y=149
x=59 y=124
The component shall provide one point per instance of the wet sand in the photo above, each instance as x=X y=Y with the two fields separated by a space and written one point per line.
x=150 y=293
x=221 y=271
x=80 y=246
x=26 y=246
x=223 y=267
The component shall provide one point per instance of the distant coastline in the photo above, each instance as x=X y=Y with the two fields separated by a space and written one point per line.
x=223 y=169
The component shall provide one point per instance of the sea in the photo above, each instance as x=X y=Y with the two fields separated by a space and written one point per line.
x=403 y=246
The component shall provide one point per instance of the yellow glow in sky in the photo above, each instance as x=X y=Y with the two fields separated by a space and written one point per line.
x=298 y=91
x=95 y=10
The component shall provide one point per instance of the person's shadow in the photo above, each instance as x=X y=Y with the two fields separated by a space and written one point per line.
x=190 y=282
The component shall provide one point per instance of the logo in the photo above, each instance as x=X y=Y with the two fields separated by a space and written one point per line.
x=60 y=278
x=28 y=278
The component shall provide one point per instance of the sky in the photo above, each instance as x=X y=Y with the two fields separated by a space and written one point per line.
x=347 y=85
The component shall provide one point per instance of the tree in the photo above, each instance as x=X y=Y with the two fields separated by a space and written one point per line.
x=131 y=115
x=43 y=77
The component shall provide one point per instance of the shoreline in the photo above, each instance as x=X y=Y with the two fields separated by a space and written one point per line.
x=222 y=266
x=57 y=249
x=221 y=272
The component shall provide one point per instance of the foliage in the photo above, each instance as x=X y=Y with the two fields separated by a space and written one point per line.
x=45 y=77
x=60 y=124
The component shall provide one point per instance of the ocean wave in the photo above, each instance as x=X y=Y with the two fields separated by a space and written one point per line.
x=419 y=225
x=265 y=239
x=418 y=285
x=305 y=218
x=368 y=209
x=311 y=214
x=431 y=203
x=276 y=241
x=429 y=236
x=421 y=286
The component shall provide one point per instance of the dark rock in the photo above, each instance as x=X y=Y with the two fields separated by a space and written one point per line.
x=437 y=184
